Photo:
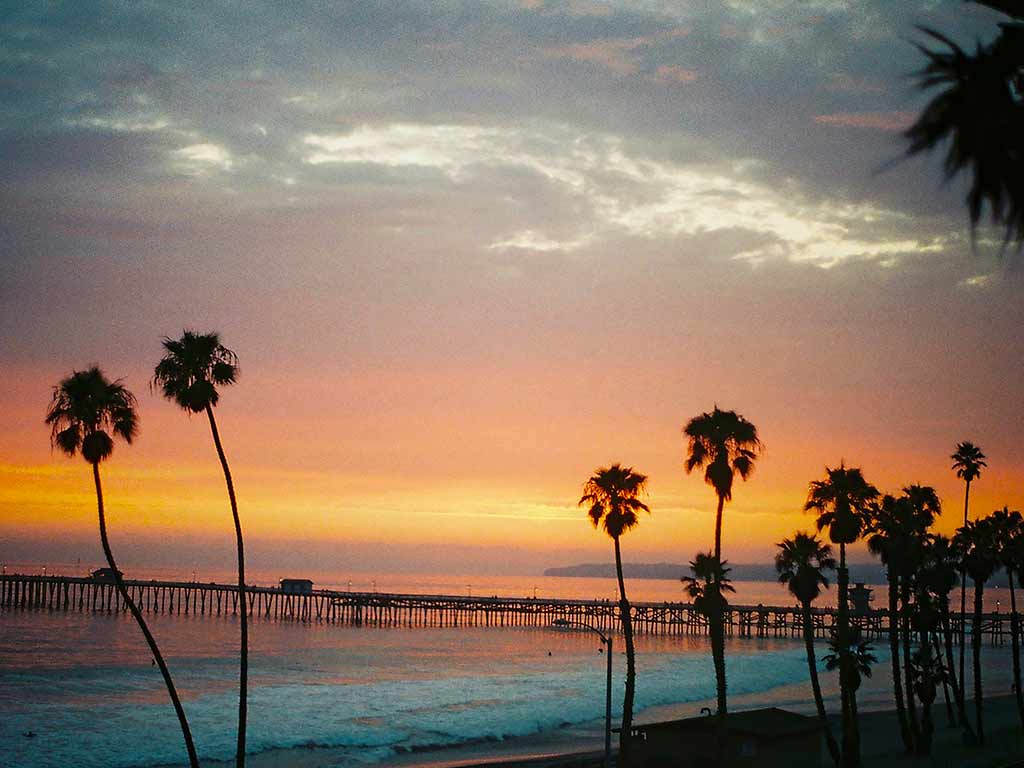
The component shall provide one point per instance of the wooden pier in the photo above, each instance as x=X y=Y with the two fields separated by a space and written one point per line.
x=64 y=593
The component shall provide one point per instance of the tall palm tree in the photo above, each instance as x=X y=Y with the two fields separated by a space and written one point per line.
x=708 y=585
x=842 y=501
x=723 y=444
x=979 y=115
x=859 y=658
x=1010 y=537
x=978 y=541
x=939 y=574
x=922 y=506
x=85 y=415
x=968 y=461
x=801 y=564
x=612 y=497
x=188 y=374
x=707 y=588
x=888 y=528
x=927 y=673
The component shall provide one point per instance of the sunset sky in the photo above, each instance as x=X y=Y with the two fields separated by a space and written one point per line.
x=469 y=252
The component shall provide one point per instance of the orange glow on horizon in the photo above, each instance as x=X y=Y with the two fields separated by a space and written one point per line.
x=495 y=478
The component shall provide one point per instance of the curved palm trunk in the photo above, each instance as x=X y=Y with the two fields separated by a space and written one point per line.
x=851 y=749
x=625 y=733
x=243 y=605
x=134 y=609
x=979 y=591
x=812 y=669
x=915 y=728
x=717 y=628
x=718 y=528
x=894 y=654
x=1015 y=642
x=963 y=604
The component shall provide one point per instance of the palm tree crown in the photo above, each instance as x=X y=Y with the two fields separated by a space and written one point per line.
x=861 y=658
x=841 y=500
x=724 y=444
x=1008 y=528
x=939 y=566
x=978 y=540
x=612 y=494
x=801 y=563
x=708 y=584
x=86 y=408
x=192 y=368
x=979 y=113
x=968 y=461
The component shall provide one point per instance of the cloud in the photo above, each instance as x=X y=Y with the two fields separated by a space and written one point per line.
x=978 y=281
x=531 y=240
x=615 y=54
x=617 y=190
x=448 y=148
x=670 y=73
x=879 y=121
x=200 y=158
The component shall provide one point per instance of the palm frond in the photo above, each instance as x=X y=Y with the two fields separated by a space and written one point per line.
x=192 y=368
x=84 y=406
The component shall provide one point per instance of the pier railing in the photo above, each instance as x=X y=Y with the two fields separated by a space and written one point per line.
x=67 y=593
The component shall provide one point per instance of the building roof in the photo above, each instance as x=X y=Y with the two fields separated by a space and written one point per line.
x=769 y=723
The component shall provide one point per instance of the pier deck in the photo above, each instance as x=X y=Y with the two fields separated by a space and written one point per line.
x=68 y=593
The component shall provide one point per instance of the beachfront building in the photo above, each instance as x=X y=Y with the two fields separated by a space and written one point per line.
x=761 y=738
x=297 y=586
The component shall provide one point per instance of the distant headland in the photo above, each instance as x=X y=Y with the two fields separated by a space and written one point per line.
x=864 y=572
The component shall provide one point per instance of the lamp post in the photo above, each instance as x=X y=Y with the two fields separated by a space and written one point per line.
x=607 y=641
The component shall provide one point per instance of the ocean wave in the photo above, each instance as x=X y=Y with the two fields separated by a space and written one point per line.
x=91 y=719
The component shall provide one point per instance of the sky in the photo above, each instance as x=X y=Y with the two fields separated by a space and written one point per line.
x=469 y=252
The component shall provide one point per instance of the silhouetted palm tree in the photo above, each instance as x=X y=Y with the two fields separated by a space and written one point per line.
x=927 y=673
x=707 y=588
x=968 y=461
x=861 y=659
x=1010 y=541
x=939 y=574
x=979 y=113
x=889 y=529
x=708 y=584
x=188 y=374
x=86 y=413
x=612 y=496
x=723 y=444
x=922 y=504
x=977 y=540
x=801 y=564
x=842 y=501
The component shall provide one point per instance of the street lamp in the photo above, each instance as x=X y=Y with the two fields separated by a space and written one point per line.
x=607 y=641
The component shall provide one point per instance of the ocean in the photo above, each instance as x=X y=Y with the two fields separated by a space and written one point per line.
x=84 y=684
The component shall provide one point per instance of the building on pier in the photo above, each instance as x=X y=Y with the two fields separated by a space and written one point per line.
x=297 y=586
x=106 y=575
